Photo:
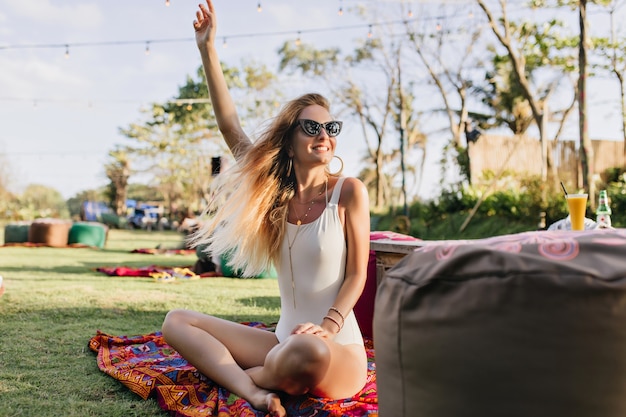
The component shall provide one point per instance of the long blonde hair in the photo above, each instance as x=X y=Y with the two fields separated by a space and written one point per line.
x=250 y=222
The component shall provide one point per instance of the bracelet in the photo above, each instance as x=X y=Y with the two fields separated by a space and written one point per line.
x=334 y=321
x=336 y=310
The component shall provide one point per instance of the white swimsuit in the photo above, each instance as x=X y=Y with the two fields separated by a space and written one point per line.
x=318 y=260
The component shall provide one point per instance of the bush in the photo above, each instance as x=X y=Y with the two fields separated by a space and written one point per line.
x=501 y=212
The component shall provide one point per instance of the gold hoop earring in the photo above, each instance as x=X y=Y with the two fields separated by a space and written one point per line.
x=339 y=171
x=289 y=167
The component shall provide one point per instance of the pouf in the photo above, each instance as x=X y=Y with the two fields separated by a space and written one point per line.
x=202 y=253
x=88 y=233
x=49 y=232
x=228 y=271
x=16 y=232
x=521 y=325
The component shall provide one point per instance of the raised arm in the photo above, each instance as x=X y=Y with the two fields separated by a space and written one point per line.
x=205 y=26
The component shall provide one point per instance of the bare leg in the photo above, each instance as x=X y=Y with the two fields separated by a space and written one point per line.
x=308 y=363
x=221 y=350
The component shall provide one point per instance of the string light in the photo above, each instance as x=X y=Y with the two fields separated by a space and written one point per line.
x=438 y=27
x=259 y=8
x=340 y=8
x=298 y=41
x=369 y=32
x=410 y=13
x=147 y=52
x=167 y=3
x=255 y=35
x=67 y=51
x=224 y=43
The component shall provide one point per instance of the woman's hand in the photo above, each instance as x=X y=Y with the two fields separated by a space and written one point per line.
x=205 y=25
x=311 y=328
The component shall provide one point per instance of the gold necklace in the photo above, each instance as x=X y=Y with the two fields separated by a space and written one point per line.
x=311 y=203
x=290 y=243
x=299 y=222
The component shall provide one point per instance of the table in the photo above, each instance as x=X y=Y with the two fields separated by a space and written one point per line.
x=389 y=252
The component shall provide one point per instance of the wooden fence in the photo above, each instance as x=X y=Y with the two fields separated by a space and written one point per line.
x=520 y=155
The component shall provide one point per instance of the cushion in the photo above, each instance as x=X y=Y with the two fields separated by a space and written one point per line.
x=88 y=233
x=531 y=324
x=49 y=232
x=16 y=232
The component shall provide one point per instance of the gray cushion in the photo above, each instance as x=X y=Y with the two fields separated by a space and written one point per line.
x=532 y=324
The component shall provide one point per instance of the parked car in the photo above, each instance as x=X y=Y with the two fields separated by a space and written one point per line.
x=144 y=218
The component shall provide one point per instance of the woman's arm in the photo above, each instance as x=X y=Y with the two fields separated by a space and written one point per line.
x=205 y=26
x=354 y=203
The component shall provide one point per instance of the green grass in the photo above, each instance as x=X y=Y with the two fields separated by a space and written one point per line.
x=55 y=302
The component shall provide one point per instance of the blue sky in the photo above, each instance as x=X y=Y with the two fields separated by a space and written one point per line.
x=60 y=116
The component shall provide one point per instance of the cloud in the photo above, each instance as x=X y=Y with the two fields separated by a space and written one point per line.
x=36 y=78
x=4 y=26
x=69 y=13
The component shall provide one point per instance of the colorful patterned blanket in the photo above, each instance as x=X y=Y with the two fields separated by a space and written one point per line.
x=158 y=251
x=159 y=273
x=147 y=366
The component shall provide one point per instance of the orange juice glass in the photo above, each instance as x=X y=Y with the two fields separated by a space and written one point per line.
x=577 y=204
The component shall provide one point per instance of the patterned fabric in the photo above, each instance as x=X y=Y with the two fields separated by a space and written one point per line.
x=557 y=246
x=380 y=235
x=141 y=271
x=147 y=366
x=150 y=251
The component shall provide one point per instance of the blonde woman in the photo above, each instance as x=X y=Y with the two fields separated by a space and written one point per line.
x=283 y=208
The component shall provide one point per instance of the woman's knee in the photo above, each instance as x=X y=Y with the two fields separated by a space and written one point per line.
x=305 y=356
x=174 y=319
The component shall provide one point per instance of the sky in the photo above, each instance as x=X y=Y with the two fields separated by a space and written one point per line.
x=60 y=116
x=61 y=107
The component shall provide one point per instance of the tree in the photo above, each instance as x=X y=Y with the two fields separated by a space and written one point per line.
x=586 y=148
x=613 y=61
x=175 y=142
x=117 y=171
x=377 y=110
x=449 y=57
x=43 y=201
x=530 y=47
x=7 y=199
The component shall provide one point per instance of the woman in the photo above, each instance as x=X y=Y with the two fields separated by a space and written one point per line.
x=283 y=208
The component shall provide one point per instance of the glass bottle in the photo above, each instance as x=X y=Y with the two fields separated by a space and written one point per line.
x=603 y=212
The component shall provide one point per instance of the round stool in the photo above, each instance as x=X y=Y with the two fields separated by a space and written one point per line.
x=88 y=234
x=228 y=271
x=201 y=252
x=16 y=232
x=49 y=232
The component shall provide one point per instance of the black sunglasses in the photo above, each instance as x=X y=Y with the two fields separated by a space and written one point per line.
x=312 y=128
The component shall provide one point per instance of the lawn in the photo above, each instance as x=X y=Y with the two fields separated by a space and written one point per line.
x=55 y=302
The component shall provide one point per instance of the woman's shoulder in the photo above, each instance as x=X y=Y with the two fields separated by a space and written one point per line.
x=353 y=189
x=351 y=184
